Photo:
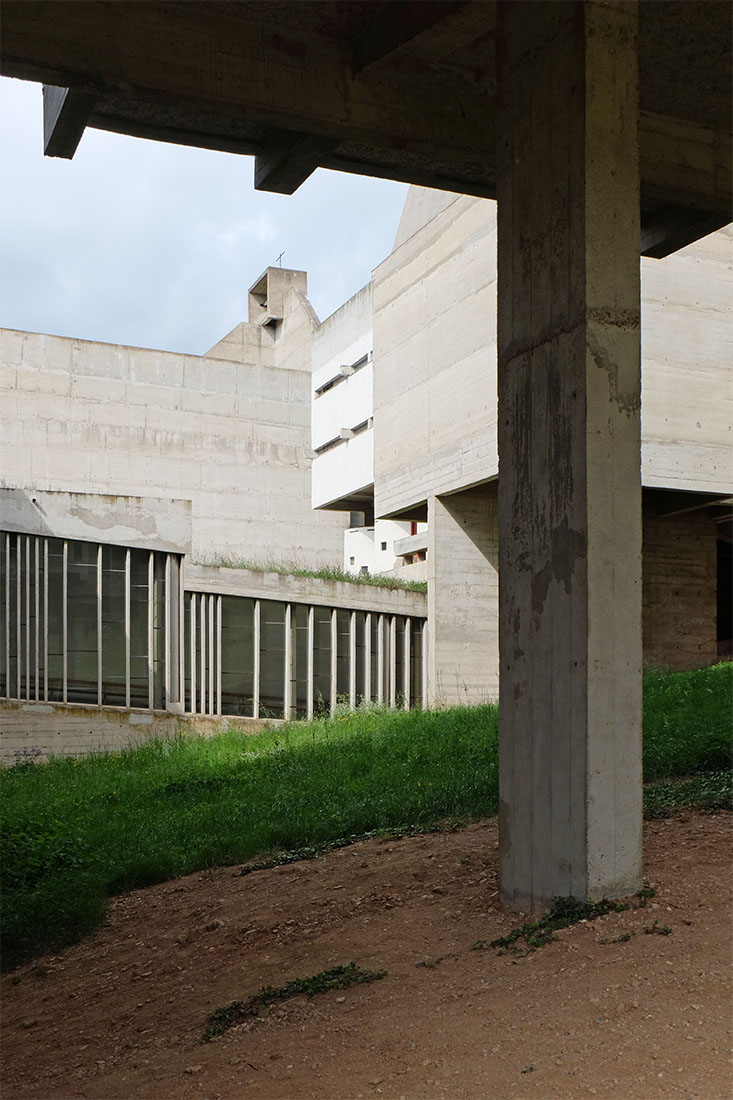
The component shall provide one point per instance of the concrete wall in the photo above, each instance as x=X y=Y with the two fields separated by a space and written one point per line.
x=38 y=731
x=341 y=341
x=230 y=435
x=687 y=367
x=679 y=591
x=435 y=360
x=463 y=598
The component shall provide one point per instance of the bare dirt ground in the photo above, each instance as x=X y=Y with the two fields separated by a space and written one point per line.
x=121 y=1016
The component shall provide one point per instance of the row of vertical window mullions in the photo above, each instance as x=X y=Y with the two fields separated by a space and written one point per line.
x=365 y=661
x=35 y=569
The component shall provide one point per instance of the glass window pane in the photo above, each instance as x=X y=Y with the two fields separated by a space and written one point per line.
x=3 y=614
x=55 y=619
x=139 y=560
x=301 y=686
x=360 y=656
x=113 y=626
x=343 y=619
x=237 y=656
x=321 y=660
x=272 y=658
x=416 y=662
x=399 y=661
x=159 y=627
x=82 y=622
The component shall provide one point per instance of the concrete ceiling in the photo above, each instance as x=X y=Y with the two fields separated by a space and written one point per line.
x=403 y=90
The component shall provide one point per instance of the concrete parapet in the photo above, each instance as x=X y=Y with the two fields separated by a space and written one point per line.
x=287 y=588
x=39 y=731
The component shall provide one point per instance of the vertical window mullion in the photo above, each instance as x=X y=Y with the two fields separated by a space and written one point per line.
x=368 y=657
x=352 y=660
x=37 y=594
x=28 y=617
x=380 y=659
x=151 y=629
x=99 y=624
x=45 y=620
x=256 y=663
x=424 y=664
x=8 y=688
x=192 y=655
x=180 y=635
x=311 y=642
x=406 y=658
x=202 y=643
x=127 y=627
x=288 y=663
x=212 y=656
x=334 y=659
x=18 y=607
x=65 y=621
x=393 y=660
x=218 y=654
x=167 y=670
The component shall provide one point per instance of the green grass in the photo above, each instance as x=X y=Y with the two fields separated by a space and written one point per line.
x=76 y=832
x=327 y=573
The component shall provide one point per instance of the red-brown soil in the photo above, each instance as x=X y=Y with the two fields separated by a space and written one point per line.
x=649 y=1019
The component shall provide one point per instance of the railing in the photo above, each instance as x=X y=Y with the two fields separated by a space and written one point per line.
x=270 y=658
x=86 y=622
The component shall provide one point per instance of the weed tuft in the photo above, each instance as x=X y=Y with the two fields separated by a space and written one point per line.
x=564 y=912
x=658 y=929
x=338 y=977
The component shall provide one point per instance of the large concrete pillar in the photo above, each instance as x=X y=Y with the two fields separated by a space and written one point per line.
x=569 y=451
x=463 y=598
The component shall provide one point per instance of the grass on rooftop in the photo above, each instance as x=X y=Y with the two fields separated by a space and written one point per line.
x=327 y=573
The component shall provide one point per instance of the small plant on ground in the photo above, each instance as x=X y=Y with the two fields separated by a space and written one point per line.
x=338 y=977
x=658 y=929
x=564 y=912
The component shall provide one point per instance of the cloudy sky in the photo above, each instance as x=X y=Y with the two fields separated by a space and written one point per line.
x=143 y=243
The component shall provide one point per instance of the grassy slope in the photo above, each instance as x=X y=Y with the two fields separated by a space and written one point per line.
x=74 y=832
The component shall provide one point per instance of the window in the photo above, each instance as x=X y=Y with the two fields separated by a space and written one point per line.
x=384 y=545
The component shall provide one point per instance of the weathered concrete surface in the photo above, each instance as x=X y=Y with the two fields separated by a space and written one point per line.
x=435 y=359
x=434 y=305
x=569 y=447
x=152 y=523
x=679 y=590
x=305 y=590
x=687 y=367
x=463 y=612
x=39 y=731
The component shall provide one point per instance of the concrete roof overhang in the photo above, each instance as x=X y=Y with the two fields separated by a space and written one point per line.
x=403 y=90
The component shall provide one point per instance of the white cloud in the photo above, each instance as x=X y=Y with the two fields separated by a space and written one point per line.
x=152 y=244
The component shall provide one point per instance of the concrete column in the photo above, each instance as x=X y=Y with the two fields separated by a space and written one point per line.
x=463 y=597
x=569 y=451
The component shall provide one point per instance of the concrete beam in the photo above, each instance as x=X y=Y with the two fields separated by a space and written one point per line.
x=288 y=159
x=394 y=25
x=672 y=227
x=236 y=67
x=569 y=452
x=66 y=113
